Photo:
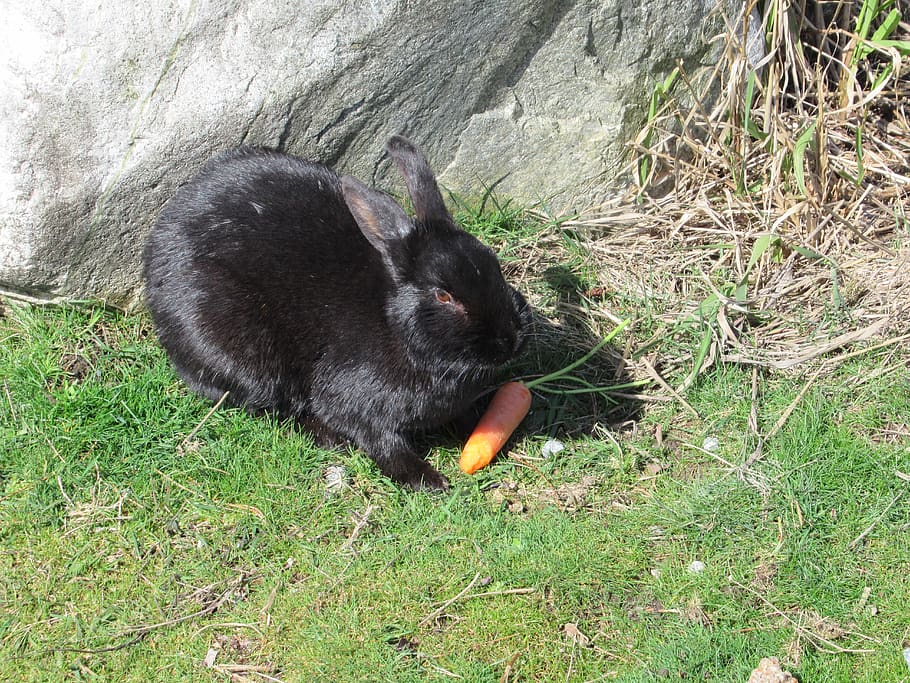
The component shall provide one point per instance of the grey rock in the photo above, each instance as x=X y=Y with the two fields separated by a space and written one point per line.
x=106 y=108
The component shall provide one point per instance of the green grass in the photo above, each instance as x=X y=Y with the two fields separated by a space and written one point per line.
x=110 y=521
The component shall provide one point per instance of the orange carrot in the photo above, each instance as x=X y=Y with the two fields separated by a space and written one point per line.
x=510 y=404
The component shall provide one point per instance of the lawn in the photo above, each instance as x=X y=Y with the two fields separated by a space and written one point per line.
x=141 y=536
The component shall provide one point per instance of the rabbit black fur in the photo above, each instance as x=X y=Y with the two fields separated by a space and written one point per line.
x=316 y=297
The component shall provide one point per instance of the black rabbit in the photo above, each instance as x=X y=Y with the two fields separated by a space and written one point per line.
x=316 y=297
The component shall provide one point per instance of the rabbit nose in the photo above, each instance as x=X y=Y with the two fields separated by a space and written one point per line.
x=513 y=342
x=501 y=347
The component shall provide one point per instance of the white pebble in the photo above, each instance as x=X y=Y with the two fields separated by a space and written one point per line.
x=697 y=567
x=552 y=447
x=335 y=478
x=907 y=656
x=710 y=444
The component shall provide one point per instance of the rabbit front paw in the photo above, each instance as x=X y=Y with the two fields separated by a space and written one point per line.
x=414 y=472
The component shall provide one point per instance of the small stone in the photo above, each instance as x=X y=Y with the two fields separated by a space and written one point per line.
x=574 y=635
x=697 y=567
x=335 y=478
x=769 y=671
x=710 y=444
x=907 y=656
x=210 y=657
x=652 y=469
x=551 y=447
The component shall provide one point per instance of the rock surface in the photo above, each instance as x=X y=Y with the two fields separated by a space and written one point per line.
x=105 y=108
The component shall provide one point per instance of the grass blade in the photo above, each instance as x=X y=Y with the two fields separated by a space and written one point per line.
x=799 y=152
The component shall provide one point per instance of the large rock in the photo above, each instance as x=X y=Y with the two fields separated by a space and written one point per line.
x=105 y=108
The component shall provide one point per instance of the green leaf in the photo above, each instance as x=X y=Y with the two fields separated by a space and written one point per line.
x=703 y=349
x=707 y=309
x=867 y=47
x=809 y=253
x=883 y=76
x=887 y=27
x=799 y=153
x=759 y=247
x=658 y=94
x=742 y=289
x=644 y=167
x=769 y=25
x=670 y=80
x=902 y=46
x=867 y=12
x=748 y=124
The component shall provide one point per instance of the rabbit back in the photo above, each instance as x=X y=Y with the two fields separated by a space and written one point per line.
x=247 y=272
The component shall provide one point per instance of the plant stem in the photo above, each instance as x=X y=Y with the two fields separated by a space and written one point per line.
x=581 y=361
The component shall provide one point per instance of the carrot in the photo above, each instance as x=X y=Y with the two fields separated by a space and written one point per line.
x=510 y=404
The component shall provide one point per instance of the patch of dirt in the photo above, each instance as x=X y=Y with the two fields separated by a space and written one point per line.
x=239 y=658
x=75 y=365
x=825 y=627
x=570 y=496
x=238 y=648
x=763 y=577
x=893 y=433
x=404 y=645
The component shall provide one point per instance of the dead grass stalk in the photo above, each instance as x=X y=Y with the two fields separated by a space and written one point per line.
x=770 y=199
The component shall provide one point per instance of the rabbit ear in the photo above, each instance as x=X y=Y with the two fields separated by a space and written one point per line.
x=380 y=219
x=419 y=178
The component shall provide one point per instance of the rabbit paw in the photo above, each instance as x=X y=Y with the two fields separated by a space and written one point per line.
x=414 y=472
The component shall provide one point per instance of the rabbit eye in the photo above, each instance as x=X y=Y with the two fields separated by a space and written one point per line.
x=443 y=297
x=449 y=301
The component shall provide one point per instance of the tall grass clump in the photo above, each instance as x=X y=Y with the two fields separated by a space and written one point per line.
x=769 y=215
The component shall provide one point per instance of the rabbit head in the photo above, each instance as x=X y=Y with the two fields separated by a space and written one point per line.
x=449 y=300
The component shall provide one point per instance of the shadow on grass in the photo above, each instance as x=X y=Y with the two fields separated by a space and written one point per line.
x=567 y=407
x=571 y=407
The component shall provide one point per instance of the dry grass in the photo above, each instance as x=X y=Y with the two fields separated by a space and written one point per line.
x=776 y=217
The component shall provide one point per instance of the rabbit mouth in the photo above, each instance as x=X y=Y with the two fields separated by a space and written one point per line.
x=504 y=346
